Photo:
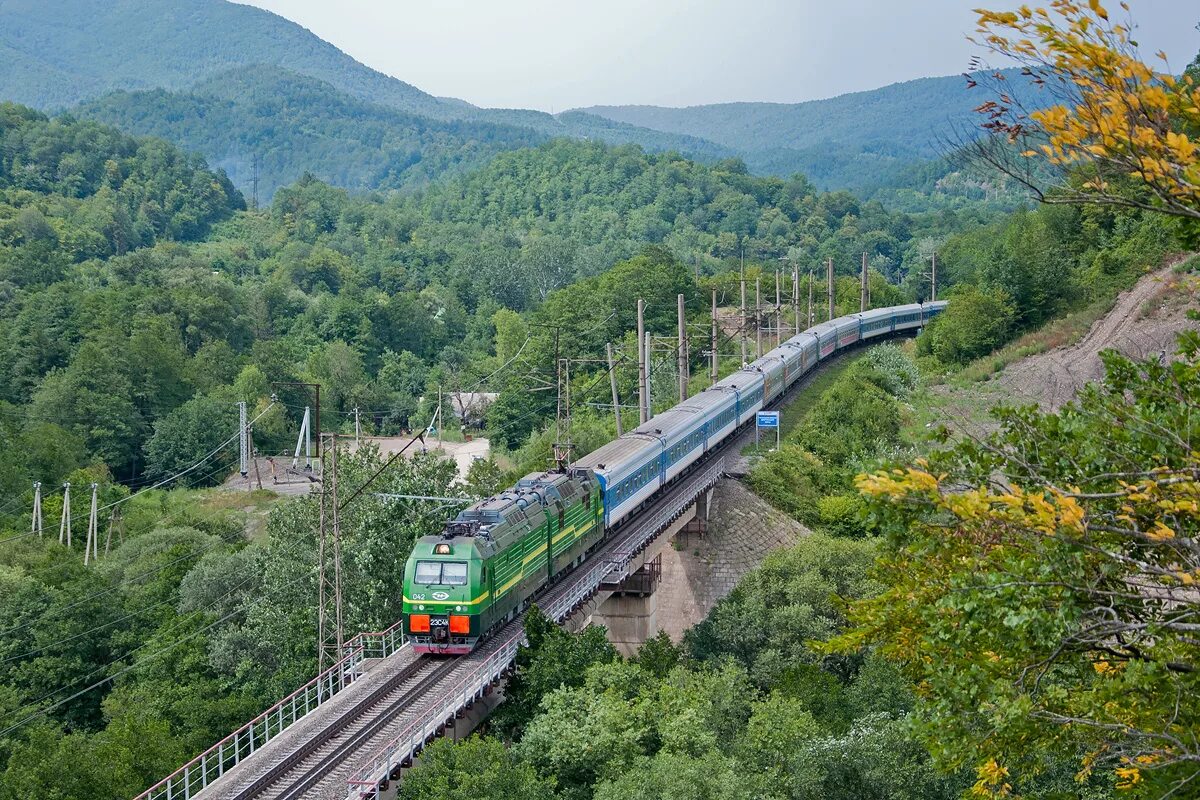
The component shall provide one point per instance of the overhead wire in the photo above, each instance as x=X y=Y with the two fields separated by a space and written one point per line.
x=121 y=658
x=126 y=580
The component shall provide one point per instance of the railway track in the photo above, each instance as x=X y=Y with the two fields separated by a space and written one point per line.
x=298 y=773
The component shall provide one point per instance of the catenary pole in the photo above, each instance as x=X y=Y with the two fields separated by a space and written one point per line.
x=829 y=286
x=745 y=321
x=778 y=314
x=713 y=354
x=682 y=351
x=643 y=395
x=758 y=317
x=862 y=293
x=612 y=380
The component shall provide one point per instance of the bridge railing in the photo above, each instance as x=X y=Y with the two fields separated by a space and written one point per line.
x=387 y=761
x=214 y=762
x=399 y=752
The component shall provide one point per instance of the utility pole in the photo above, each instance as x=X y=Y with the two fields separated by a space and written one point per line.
x=713 y=354
x=778 y=313
x=304 y=437
x=643 y=393
x=612 y=379
x=758 y=317
x=811 y=320
x=36 y=518
x=64 y=525
x=330 y=631
x=254 y=460
x=796 y=296
x=829 y=280
x=91 y=548
x=862 y=301
x=649 y=376
x=933 y=278
x=683 y=353
x=357 y=428
x=254 y=179
x=243 y=439
x=745 y=321
x=562 y=421
x=112 y=516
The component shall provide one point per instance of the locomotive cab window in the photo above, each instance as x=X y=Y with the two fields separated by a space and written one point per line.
x=441 y=573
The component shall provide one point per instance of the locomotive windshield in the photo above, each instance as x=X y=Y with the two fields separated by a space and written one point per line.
x=442 y=573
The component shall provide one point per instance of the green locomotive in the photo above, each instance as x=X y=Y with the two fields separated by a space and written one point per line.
x=495 y=555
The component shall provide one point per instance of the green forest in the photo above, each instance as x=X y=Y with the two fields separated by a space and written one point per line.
x=999 y=616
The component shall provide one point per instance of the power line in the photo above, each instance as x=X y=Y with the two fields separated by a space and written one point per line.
x=174 y=515
x=43 y=712
x=122 y=657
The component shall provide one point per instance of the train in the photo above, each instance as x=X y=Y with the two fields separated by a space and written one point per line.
x=491 y=560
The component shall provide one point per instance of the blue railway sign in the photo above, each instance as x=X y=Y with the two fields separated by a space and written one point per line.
x=768 y=419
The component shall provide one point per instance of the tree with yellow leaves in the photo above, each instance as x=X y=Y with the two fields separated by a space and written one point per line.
x=1115 y=130
x=1045 y=586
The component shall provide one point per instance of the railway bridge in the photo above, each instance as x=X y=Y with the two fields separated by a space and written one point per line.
x=351 y=731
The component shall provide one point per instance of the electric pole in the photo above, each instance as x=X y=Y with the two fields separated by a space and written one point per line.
x=643 y=394
x=357 y=428
x=796 y=296
x=64 y=525
x=758 y=317
x=243 y=439
x=862 y=300
x=829 y=280
x=331 y=634
x=810 y=299
x=683 y=352
x=612 y=379
x=778 y=313
x=36 y=517
x=649 y=376
x=562 y=422
x=91 y=548
x=745 y=321
x=932 y=275
x=713 y=354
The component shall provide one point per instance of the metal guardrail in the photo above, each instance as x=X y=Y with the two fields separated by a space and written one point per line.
x=223 y=756
x=213 y=763
x=385 y=763
x=387 y=760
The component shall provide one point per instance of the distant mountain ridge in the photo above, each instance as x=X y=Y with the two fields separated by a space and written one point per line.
x=865 y=136
x=166 y=60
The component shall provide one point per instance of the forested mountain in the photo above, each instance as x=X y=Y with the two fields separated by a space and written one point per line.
x=212 y=57
x=59 y=52
x=293 y=124
x=859 y=141
x=242 y=66
x=130 y=294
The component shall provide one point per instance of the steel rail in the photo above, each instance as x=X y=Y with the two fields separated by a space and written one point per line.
x=369 y=718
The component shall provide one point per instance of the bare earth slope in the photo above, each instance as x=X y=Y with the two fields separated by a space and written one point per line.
x=1144 y=322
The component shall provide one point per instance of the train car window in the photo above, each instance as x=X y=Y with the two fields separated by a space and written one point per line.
x=454 y=573
x=428 y=572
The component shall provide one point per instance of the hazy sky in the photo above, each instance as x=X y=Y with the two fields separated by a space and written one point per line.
x=558 y=54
